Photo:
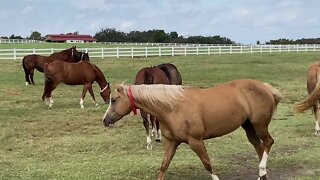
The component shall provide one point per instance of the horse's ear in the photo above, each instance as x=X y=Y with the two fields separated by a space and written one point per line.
x=119 y=89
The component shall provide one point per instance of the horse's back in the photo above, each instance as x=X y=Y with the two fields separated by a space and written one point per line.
x=172 y=73
x=312 y=76
x=226 y=107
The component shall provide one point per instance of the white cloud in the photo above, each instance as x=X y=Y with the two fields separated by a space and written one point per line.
x=27 y=9
x=126 y=26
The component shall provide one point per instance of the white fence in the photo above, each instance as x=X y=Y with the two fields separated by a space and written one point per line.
x=138 y=51
x=4 y=41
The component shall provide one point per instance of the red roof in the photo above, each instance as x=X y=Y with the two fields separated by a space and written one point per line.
x=65 y=37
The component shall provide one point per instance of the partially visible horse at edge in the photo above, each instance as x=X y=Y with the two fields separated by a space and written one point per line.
x=34 y=61
x=81 y=73
x=161 y=74
x=191 y=115
x=313 y=100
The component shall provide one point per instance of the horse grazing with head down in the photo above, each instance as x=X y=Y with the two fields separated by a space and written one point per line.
x=81 y=73
x=313 y=100
x=191 y=115
x=161 y=74
x=34 y=61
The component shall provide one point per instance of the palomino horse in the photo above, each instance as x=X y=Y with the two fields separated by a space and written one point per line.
x=191 y=115
x=161 y=74
x=313 y=85
x=34 y=61
x=81 y=73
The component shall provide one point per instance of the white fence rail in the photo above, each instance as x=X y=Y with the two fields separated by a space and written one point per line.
x=7 y=41
x=138 y=51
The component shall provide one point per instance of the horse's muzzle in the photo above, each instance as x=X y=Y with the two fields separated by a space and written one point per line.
x=107 y=121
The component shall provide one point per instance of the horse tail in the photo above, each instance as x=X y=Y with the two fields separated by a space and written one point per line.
x=276 y=93
x=26 y=71
x=311 y=100
x=277 y=96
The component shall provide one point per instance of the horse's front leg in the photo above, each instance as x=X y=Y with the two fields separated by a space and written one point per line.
x=144 y=116
x=198 y=147
x=92 y=95
x=170 y=147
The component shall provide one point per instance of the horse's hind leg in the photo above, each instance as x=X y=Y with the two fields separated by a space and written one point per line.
x=92 y=95
x=84 y=91
x=316 y=112
x=253 y=138
x=48 y=88
x=144 y=116
x=31 y=77
x=158 y=131
x=261 y=130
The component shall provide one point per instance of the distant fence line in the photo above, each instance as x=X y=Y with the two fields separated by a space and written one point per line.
x=138 y=51
x=8 y=41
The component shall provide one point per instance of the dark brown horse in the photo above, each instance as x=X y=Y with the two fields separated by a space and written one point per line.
x=161 y=74
x=313 y=85
x=81 y=73
x=191 y=115
x=34 y=61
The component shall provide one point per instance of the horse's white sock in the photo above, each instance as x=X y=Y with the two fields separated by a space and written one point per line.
x=81 y=103
x=263 y=165
x=214 y=177
x=149 y=145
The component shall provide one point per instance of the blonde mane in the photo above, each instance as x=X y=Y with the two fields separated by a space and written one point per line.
x=160 y=94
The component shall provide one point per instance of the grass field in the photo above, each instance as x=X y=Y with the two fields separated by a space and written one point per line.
x=67 y=142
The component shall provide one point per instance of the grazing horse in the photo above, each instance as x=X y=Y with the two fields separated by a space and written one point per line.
x=34 y=61
x=191 y=115
x=161 y=74
x=81 y=73
x=313 y=85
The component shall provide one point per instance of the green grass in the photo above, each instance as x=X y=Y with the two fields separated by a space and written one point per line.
x=67 y=142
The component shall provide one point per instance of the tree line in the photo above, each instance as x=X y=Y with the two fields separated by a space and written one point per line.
x=156 y=36
x=160 y=36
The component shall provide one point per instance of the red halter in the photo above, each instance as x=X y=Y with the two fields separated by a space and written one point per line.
x=134 y=109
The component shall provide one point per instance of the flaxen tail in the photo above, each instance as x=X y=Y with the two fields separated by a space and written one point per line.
x=311 y=100
x=276 y=94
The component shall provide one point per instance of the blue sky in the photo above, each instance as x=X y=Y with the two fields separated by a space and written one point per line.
x=243 y=21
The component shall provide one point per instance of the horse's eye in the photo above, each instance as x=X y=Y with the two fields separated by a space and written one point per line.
x=113 y=100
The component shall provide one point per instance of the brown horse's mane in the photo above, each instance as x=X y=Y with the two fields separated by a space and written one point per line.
x=159 y=94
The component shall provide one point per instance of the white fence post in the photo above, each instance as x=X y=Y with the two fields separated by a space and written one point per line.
x=102 y=53
x=132 y=52
x=185 y=51
x=251 y=48
x=230 y=49
x=241 y=48
x=34 y=50
x=159 y=51
x=51 y=50
x=146 y=51
x=14 y=54
x=172 y=51
x=219 y=49
x=197 y=50
x=208 y=50
x=314 y=47
x=117 y=52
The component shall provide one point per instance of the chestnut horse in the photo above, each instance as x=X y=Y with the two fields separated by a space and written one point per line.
x=81 y=73
x=34 y=61
x=161 y=74
x=191 y=115
x=313 y=85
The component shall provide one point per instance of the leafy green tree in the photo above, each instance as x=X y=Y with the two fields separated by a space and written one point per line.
x=35 y=35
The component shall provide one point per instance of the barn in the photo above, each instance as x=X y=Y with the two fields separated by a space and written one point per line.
x=70 y=38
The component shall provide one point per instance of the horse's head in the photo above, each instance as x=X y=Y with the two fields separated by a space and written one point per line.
x=105 y=93
x=119 y=106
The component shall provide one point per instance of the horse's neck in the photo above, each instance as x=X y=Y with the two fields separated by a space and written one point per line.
x=148 y=107
x=100 y=79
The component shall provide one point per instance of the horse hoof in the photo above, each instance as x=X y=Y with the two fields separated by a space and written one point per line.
x=96 y=105
x=317 y=133
x=264 y=177
x=81 y=107
x=158 y=140
x=149 y=147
